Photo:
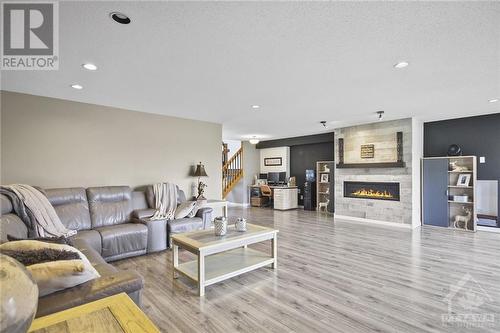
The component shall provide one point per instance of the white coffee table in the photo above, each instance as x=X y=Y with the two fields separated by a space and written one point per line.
x=223 y=257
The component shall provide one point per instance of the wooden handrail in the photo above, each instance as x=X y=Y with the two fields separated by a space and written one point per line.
x=235 y=157
x=232 y=172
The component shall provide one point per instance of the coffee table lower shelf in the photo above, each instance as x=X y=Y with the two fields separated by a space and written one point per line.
x=225 y=265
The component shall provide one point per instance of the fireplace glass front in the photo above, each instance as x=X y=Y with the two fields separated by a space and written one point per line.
x=372 y=190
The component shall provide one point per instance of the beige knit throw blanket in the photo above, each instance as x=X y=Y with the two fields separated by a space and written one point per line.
x=165 y=201
x=47 y=223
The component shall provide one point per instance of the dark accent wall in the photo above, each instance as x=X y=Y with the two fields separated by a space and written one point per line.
x=298 y=140
x=305 y=151
x=479 y=136
x=304 y=157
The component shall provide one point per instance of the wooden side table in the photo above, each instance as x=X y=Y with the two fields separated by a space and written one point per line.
x=112 y=314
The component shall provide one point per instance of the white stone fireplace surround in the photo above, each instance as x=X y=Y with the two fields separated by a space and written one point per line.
x=383 y=136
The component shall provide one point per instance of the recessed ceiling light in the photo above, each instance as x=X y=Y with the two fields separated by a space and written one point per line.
x=77 y=86
x=401 y=64
x=255 y=107
x=90 y=67
x=120 y=18
x=494 y=100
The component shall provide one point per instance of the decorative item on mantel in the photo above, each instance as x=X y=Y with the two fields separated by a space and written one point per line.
x=367 y=151
x=200 y=172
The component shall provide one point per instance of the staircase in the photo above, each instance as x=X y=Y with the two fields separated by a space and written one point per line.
x=232 y=172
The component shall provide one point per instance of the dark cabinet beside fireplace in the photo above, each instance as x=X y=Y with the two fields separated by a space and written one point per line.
x=449 y=192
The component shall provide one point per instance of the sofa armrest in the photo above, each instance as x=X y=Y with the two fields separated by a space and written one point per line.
x=206 y=216
x=143 y=213
x=108 y=284
x=157 y=233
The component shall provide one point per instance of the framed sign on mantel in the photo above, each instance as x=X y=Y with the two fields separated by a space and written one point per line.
x=273 y=161
x=367 y=151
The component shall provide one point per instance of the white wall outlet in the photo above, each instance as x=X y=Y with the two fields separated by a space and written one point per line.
x=482 y=159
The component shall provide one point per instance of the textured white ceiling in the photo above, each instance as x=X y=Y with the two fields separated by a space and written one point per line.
x=302 y=62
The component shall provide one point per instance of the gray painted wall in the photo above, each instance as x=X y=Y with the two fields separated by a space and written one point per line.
x=57 y=143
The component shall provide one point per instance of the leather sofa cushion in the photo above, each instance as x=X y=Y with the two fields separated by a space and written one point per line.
x=11 y=224
x=184 y=225
x=109 y=205
x=5 y=205
x=92 y=255
x=123 y=238
x=139 y=200
x=92 y=237
x=71 y=206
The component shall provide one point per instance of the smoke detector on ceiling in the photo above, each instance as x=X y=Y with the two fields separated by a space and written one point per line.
x=119 y=18
x=380 y=115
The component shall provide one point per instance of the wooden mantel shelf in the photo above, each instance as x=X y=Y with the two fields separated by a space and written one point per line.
x=371 y=165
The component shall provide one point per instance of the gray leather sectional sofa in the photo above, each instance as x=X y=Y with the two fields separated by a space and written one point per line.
x=112 y=224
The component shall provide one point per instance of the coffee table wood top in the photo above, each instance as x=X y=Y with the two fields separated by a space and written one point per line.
x=116 y=313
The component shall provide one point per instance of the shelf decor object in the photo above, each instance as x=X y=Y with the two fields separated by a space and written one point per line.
x=324 y=186
x=463 y=180
x=449 y=192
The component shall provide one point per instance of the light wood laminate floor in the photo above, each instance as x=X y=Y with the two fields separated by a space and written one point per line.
x=333 y=276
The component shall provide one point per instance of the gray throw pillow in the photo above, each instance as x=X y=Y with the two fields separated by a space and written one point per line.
x=195 y=209
x=184 y=209
x=51 y=276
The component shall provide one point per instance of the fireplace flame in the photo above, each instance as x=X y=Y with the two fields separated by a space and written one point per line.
x=372 y=194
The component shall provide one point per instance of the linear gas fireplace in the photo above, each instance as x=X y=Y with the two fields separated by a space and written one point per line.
x=371 y=190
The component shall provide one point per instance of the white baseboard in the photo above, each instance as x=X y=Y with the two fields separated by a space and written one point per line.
x=488 y=229
x=386 y=223
x=237 y=204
